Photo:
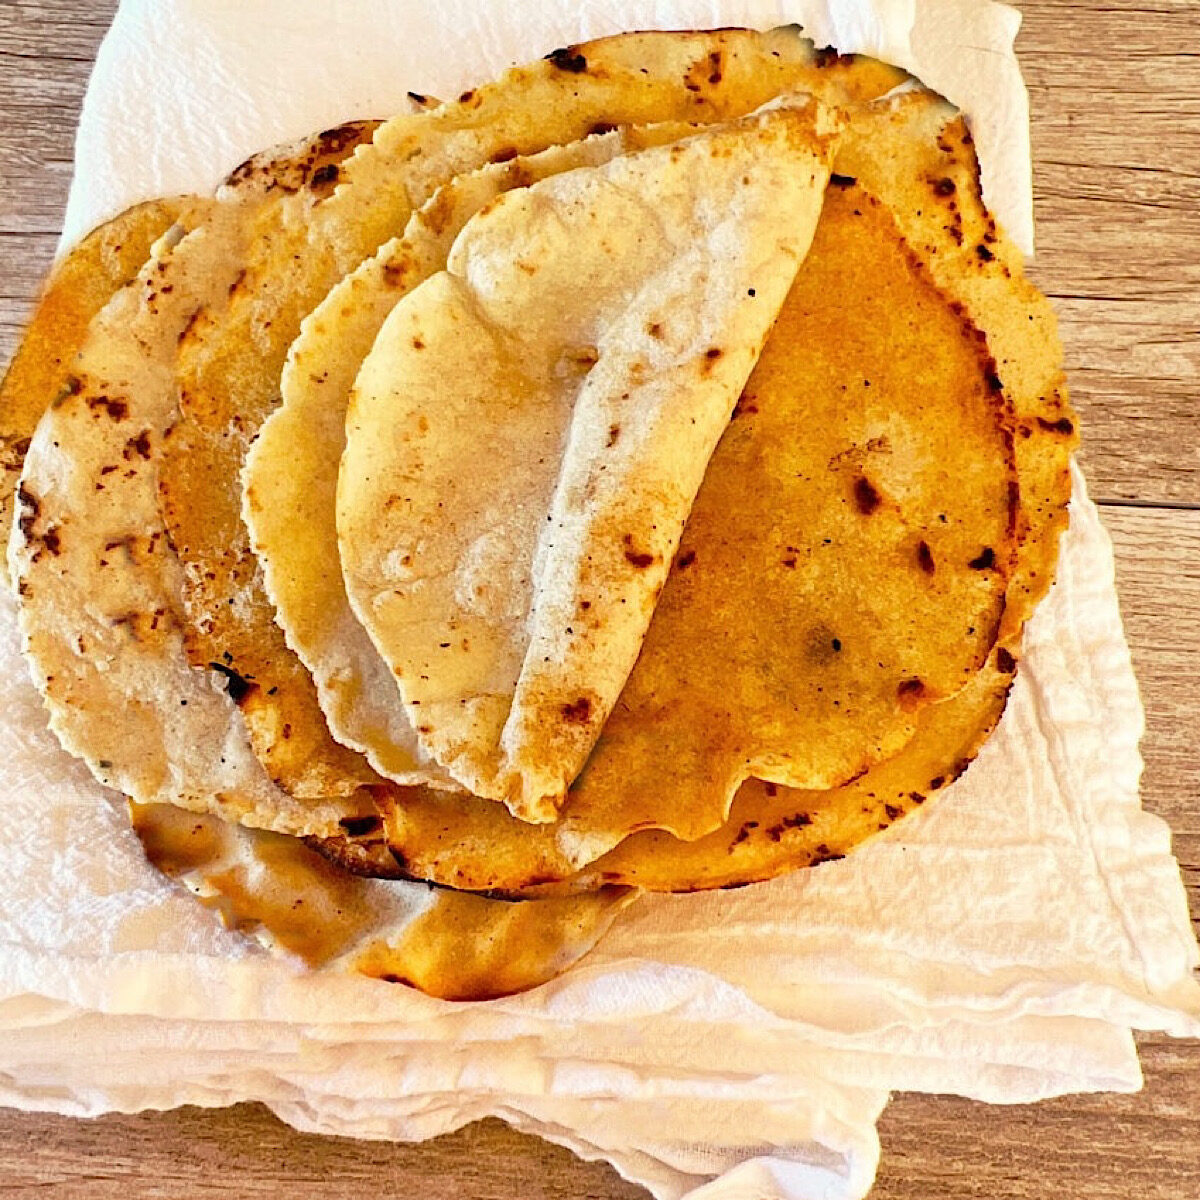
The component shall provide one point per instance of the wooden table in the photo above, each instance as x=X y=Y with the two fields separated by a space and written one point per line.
x=1115 y=86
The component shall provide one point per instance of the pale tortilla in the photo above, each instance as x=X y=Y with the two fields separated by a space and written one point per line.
x=527 y=435
x=290 y=477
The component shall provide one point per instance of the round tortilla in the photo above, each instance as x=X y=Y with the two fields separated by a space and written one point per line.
x=916 y=153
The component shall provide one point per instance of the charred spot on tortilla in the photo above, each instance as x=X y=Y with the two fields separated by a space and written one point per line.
x=568 y=58
x=238 y=686
x=866 y=495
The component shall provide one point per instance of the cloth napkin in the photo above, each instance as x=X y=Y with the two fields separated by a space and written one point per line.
x=1000 y=944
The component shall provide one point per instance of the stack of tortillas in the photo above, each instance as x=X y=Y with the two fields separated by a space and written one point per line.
x=634 y=473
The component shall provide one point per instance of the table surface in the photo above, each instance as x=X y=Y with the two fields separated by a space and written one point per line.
x=1115 y=88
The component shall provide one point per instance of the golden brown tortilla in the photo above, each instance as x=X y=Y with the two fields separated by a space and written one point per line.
x=921 y=163
x=449 y=944
x=918 y=153
x=79 y=286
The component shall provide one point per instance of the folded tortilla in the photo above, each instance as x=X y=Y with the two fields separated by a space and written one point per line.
x=289 y=496
x=528 y=434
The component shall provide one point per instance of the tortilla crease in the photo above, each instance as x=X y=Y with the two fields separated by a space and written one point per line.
x=98 y=586
x=594 y=331
x=453 y=945
x=231 y=364
x=79 y=286
x=289 y=496
x=773 y=650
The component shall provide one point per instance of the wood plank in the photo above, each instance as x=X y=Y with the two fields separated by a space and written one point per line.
x=1115 y=96
x=1158 y=579
x=40 y=101
x=1095 y=1147
x=244 y=1153
x=50 y=30
x=46 y=53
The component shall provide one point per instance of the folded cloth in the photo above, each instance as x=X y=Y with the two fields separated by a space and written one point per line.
x=1000 y=944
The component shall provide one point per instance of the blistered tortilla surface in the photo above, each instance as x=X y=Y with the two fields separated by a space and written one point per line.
x=77 y=289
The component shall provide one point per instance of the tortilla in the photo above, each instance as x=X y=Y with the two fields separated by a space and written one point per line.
x=774 y=652
x=230 y=368
x=79 y=286
x=98 y=585
x=593 y=331
x=774 y=629
x=771 y=830
x=917 y=155
x=920 y=161
x=290 y=476
x=449 y=944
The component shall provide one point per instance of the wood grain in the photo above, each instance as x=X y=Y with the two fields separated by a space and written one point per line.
x=244 y=1153
x=1115 y=90
x=1115 y=97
